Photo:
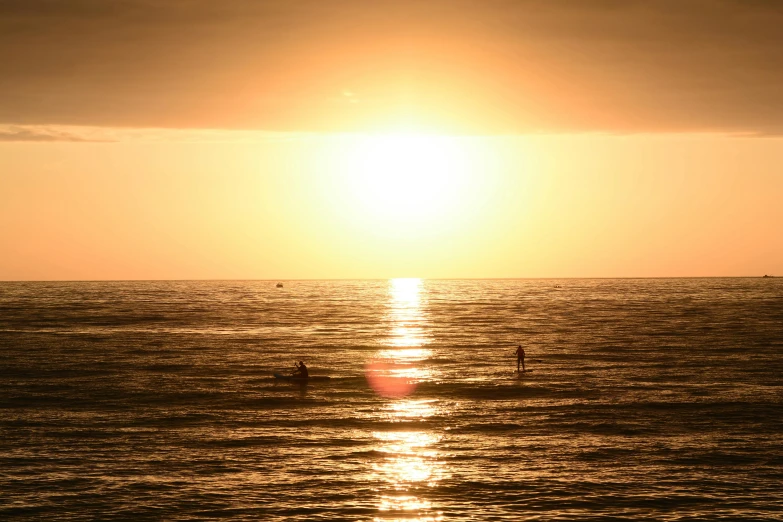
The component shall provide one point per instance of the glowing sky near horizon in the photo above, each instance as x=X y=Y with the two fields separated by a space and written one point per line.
x=346 y=139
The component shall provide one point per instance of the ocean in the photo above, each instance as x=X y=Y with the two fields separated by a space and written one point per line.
x=644 y=399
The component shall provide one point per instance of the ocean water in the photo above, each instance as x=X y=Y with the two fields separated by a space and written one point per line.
x=647 y=399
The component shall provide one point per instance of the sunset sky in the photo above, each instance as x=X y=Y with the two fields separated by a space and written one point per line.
x=246 y=139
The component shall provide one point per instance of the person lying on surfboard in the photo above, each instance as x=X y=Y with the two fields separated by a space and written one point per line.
x=301 y=370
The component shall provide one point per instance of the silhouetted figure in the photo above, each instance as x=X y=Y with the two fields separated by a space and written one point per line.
x=520 y=357
x=301 y=370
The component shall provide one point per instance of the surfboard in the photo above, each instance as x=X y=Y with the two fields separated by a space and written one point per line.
x=293 y=378
x=524 y=371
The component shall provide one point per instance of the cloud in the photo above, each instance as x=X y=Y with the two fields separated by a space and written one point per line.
x=497 y=66
x=96 y=134
x=36 y=133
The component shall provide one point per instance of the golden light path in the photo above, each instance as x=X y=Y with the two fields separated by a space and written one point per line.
x=406 y=316
x=411 y=459
x=393 y=371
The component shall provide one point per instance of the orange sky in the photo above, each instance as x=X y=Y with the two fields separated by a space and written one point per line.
x=347 y=139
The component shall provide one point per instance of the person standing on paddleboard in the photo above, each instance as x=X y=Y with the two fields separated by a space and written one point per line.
x=520 y=357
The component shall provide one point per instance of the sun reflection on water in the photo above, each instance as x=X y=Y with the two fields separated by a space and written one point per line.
x=394 y=370
x=411 y=461
x=410 y=458
x=405 y=313
x=405 y=503
x=410 y=409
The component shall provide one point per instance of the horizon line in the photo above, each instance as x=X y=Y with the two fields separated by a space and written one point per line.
x=141 y=280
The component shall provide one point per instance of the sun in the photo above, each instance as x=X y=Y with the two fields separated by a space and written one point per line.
x=407 y=177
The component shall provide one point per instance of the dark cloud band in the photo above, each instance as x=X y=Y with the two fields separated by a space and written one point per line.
x=478 y=67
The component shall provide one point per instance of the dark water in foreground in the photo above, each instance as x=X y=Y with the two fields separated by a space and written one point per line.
x=649 y=400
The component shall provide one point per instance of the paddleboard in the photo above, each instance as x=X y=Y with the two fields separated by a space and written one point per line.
x=294 y=378
x=524 y=371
